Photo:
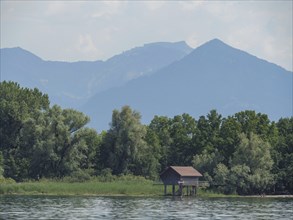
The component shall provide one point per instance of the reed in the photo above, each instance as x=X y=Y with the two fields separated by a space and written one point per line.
x=50 y=187
x=101 y=185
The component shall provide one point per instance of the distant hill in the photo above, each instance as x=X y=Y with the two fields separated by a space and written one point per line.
x=72 y=84
x=158 y=79
x=213 y=76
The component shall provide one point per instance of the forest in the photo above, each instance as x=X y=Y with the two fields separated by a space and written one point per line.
x=245 y=153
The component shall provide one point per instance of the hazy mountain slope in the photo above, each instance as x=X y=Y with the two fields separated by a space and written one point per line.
x=64 y=82
x=138 y=62
x=213 y=76
x=71 y=84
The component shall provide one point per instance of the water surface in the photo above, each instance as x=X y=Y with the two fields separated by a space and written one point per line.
x=83 y=207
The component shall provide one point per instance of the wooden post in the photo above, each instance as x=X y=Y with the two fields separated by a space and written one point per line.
x=187 y=189
x=180 y=183
x=193 y=190
x=165 y=189
x=180 y=191
x=173 y=190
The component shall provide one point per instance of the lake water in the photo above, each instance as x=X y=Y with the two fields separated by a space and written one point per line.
x=82 y=207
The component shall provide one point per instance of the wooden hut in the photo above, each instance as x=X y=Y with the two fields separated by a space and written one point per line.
x=182 y=176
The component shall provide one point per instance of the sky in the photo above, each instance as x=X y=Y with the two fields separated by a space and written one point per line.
x=98 y=30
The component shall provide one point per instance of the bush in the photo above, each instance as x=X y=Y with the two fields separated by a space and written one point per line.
x=77 y=176
x=106 y=176
x=6 y=180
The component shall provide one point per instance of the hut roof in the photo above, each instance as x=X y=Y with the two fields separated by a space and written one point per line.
x=184 y=171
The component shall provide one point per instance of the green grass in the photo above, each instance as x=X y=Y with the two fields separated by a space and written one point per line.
x=131 y=187
x=94 y=187
x=123 y=185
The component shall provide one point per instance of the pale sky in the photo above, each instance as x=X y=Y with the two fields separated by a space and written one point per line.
x=97 y=30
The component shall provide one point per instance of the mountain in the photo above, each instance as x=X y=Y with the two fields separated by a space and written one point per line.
x=72 y=84
x=213 y=76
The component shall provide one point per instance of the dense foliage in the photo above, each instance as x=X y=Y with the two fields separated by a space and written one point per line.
x=245 y=153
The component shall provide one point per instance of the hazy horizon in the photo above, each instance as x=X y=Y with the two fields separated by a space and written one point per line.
x=78 y=30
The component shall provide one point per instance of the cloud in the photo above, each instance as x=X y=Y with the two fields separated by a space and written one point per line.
x=192 y=40
x=154 y=5
x=80 y=30
x=56 y=7
x=107 y=9
x=86 y=45
x=191 y=5
x=63 y=8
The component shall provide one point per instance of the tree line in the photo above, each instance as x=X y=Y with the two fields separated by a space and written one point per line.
x=245 y=153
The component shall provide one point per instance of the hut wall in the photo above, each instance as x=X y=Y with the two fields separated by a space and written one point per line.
x=190 y=181
x=170 y=177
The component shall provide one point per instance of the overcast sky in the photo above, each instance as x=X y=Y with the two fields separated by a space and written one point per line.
x=97 y=30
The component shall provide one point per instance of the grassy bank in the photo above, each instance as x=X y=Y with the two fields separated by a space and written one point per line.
x=105 y=188
x=120 y=187
x=108 y=185
x=92 y=187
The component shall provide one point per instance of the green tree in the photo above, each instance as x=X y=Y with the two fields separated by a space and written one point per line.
x=18 y=106
x=252 y=122
x=229 y=132
x=283 y=156
x=124 y=149
x=221 y=178
x=206 y=163
x=208 y=136
x=182 y=131
x=1 y=165
x=238 y=180
x=154 y=152
x=89 y=142
x=61 y=146
x=159 y=130
x=254 y=153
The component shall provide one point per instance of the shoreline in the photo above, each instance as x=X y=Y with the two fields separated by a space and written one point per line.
x=134 y=188
x=269 y=196
x=203 y=195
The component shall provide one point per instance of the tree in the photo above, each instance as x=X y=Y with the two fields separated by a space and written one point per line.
x=283 y=156
x=254 y=153
x=18 y=106
x=221 y=178
x=91 y=141
x=238 y=180
x=206 y=163
x=208 y=135
x=124 y=149
x=252 y=122
x=159 y=130
x=229 y=133
x=182 y=131
x=38 y=141
x=1 y=165
x=61 y=146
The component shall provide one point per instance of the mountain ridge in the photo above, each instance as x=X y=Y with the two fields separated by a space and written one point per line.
x=159 y=79
x=224 y=78
x=70 y=84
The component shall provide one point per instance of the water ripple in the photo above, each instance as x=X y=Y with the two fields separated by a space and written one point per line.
x=82 y=207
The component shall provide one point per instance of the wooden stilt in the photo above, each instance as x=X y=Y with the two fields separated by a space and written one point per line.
x=173 y=190
x=165 y=190
x=193 y=190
